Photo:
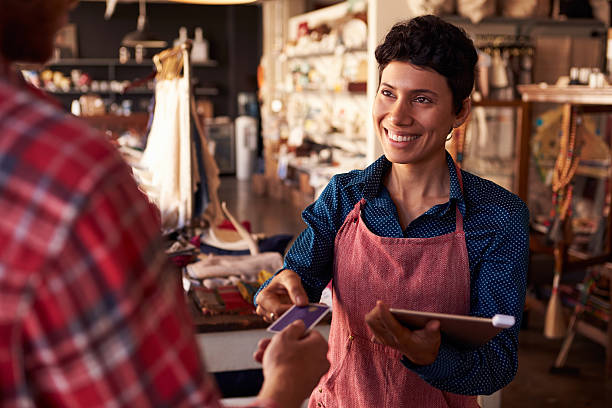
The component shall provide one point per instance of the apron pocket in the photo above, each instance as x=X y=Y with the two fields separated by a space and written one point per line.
x=329 y=383
x=355 y=380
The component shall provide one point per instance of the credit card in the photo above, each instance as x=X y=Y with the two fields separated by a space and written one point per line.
x=310 y=314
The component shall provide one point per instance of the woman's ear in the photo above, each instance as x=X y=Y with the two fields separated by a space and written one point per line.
x=464 y=113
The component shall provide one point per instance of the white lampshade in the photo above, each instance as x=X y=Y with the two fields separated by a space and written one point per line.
x=214 y=2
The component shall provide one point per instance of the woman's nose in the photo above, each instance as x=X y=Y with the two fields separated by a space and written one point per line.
x=401 y=113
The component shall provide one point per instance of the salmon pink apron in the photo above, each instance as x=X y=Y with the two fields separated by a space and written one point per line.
x=428 y=274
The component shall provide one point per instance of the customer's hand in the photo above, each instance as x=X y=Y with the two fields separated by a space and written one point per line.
x=419 y=346
x=293 y=362
x=284 y=290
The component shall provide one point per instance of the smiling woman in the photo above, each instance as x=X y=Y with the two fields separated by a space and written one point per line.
x=411 y=231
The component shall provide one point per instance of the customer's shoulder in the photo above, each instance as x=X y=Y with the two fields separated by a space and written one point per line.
x=50 y=142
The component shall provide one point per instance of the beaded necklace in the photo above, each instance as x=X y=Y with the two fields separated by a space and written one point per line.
x=566 y=164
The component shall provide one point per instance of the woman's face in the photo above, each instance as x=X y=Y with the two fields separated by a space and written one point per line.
x=413 y=113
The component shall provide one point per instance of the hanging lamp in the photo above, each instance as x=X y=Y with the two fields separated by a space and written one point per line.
x=214 y=2
x=142 y=37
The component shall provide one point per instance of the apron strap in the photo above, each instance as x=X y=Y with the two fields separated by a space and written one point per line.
x=458 y=215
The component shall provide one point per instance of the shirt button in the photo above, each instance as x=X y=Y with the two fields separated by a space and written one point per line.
x=319 y=404
x=355 y=220
x=350 y=337
x=320 y=389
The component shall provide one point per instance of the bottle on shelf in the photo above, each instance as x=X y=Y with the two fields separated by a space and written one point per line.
x=182 y=37
x=199 y=51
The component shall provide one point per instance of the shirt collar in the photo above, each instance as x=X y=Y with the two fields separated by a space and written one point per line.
x=374 y=173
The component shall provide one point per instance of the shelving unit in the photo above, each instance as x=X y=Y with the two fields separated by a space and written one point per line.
x=112 y=64
x=108 y=69
x=83 y=62
x=514 y=169
x=144 y=91
x=579 y=100
x=323 y=88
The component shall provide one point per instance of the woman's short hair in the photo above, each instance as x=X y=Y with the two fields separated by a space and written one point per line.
x=428 y=41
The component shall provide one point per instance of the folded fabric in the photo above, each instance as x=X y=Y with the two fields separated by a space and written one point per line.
x=207 y=301
x=247 y=290
x=226 y=224
x=233 y=300
x=276 y=243
x=215 y=266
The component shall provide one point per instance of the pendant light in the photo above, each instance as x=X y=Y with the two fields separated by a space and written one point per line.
x=214 y=2
x=142 y=37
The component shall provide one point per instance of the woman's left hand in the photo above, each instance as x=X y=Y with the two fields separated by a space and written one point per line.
x=419 y=346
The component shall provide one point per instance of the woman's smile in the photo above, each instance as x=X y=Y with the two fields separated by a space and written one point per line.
x=401 y=137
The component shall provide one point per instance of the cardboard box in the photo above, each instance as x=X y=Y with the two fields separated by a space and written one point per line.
x=300 y=199
x=259 y=184
x=274 y=188
x=304 y=181
x=271 y=168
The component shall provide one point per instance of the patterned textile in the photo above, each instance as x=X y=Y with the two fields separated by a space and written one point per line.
x=90 y=313
x=496 y=224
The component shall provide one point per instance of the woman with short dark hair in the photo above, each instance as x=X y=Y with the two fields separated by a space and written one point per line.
x=411 y=231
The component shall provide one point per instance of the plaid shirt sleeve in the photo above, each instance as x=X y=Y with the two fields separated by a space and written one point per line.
x=107 y=322
x=93 y=315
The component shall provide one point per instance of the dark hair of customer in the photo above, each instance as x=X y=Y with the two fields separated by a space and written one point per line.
x=430 y=42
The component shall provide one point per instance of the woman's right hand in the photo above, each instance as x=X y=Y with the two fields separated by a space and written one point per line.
x=284 y=291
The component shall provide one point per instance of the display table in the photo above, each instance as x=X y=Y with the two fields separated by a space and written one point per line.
x=228 y=341
x=233 y=350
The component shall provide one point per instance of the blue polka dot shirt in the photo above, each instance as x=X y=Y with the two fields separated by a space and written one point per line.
x=496 y=224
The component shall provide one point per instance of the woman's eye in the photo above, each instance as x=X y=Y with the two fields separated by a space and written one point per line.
x=386 y=92
x=422 y=99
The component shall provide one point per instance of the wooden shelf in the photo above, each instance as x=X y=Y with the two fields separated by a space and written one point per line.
x=326 y=53
x=573 y=94
x=197 y=91
x=92 y=62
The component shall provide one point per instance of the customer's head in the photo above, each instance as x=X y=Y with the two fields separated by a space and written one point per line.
x=28 y=28
x=430 y=42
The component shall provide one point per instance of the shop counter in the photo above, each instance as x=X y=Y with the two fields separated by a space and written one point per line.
x=228 y=341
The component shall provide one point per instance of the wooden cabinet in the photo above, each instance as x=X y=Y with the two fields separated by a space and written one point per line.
x=576 y=141
x=494 y=143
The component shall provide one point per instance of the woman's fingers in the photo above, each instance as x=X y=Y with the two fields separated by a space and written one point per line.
x=267 y=316
x=380 y=322
x=293 y=285
x=284 y=290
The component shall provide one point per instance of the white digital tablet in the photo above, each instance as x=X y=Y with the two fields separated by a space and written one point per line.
x=466 y=330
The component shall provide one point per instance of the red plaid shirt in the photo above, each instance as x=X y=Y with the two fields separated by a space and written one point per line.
x=88 y=316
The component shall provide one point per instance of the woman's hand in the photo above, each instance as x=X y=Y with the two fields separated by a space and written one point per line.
x=419 y=346
x=284 y=290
